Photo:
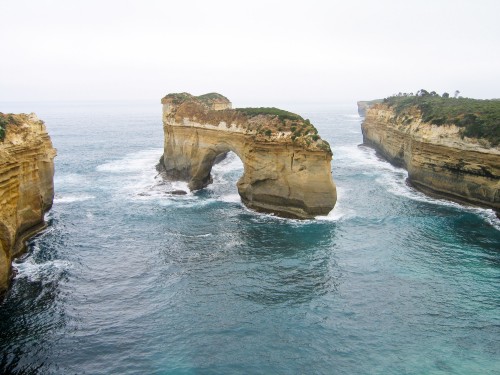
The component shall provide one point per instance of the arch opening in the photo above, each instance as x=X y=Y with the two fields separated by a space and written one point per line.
x=221 y=159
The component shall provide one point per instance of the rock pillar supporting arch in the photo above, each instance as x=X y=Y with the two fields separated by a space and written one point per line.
x=284 y=176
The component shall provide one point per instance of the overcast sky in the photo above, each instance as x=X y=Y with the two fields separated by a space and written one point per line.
x=254 y=52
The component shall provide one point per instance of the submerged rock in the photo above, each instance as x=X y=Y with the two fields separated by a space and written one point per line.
x=177 y=192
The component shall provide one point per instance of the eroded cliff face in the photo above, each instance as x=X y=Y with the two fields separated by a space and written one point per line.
x=26 y=185
x=285 y=176
x=439 y=161
x=363 y=105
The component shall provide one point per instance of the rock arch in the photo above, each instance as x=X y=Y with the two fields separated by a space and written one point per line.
x=285 y=175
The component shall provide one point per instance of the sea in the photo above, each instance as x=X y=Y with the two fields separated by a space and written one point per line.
x=128 y=279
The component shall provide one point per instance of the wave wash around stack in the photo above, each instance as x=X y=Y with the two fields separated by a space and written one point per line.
x=287 y=166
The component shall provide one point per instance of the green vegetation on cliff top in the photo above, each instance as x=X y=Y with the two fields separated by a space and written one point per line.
x=370 y=102
x=212 y=96
x=302 y=130
x=6 y=119
x=178 y=98
x=3 y=126
x=272 y=111
x=10 y=119
x=296 y=124
x=478 y=118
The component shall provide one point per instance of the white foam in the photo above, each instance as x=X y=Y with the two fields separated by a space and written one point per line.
x=137 y=178
x=179 y=185
x=231 y=163
x=490 y=216
x=133 y=162
x=71 y=198
x=181 y=201
x=398 y=186
x=231 y=198
x=158 y=190
x=258 y=216
x=363 y=157
x=45 y=272
x=393 y=179
x=196 y=235
x=339 y=212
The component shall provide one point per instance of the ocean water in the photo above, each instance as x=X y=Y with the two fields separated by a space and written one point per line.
x=130 y=280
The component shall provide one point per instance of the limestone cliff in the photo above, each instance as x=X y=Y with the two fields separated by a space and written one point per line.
x=439 y=160
x=287 y=168
x=26 y=184
x=363 y=105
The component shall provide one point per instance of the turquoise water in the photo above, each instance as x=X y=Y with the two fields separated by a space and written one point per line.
x=129 y=280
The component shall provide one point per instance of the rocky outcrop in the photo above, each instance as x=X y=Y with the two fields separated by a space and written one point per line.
x=26 y=184
x=363 y=106
x=287 y=168
x=439 y=160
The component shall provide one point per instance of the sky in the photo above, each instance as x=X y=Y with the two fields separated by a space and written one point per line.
x=254 y=52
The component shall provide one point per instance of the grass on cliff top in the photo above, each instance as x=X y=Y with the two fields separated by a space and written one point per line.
x=371 y=102
x=301 y=129
x=3 y=125
x=9 y=119
x=211 y=97
x=478 y=118
x=280 y=113
x=178 y=98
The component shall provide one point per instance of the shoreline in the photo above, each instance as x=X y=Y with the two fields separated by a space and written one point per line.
x=18 y=249
x=436 y=194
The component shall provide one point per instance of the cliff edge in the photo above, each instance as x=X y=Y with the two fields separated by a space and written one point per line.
x=26 y=184
x=363 y=106
x=433 y=142
x=287 y=166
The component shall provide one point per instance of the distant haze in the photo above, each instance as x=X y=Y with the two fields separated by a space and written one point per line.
x=254 y=52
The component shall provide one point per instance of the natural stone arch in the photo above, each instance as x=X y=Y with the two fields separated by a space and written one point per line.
x=286 y=176
x=201 y=171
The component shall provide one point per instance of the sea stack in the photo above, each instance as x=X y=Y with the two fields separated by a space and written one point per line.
x=449 y=146
x=287 y=166
x=26 y=184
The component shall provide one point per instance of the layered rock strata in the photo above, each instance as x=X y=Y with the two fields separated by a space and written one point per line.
x=439 y=160
x=26 y=184
x=287 y=166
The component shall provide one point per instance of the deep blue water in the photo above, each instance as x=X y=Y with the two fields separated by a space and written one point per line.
x=129 y=280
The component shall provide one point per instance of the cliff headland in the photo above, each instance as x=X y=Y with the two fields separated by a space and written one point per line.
x=450 y=146
x=363 y=105
x=287 y=166
x=26 y=184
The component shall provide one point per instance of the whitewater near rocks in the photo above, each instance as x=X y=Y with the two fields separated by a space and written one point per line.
x=131 y=279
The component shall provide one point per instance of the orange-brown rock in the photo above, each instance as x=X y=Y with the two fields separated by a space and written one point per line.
x=26 y=184
x=287 y=168
x=439 y=160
